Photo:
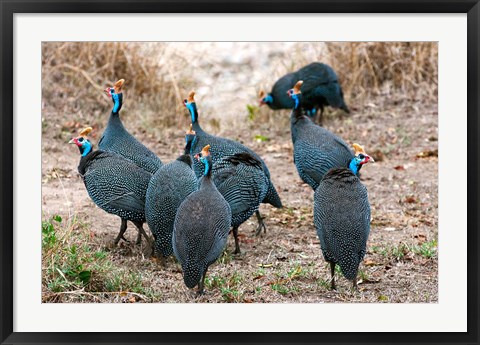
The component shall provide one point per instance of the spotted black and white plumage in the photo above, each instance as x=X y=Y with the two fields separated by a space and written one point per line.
x=222 y=147
x=115 y=184
x=342 y=219
x=321 y=88
x=201 y=228
x=117 y=139
x=169 y=186
x=243 y=183
x=315 y=149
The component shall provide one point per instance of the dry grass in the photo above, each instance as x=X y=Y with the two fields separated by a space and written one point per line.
x=159 y=75
x=370 y=69
x=74 y=75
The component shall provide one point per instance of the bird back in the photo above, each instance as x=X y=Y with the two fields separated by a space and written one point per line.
x=342 y=219
x=242 y=182
x=115 y=184
x=316 y=150
x=201 y=228
x=221 y=147
x=167 y=189
x=117 y=139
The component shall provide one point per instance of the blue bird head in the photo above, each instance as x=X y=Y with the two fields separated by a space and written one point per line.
x=264 y=98
x=296 y=94
x=190 y=104
x=84 y=145
x=360 y=159
x=205 y=157
x=116 y=94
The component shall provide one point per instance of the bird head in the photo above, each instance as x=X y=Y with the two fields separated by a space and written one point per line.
x=295 y=93
x=82 y=141
x=189 y=103
x=116 y=94
x=205 y=157
x=360 y=158
x=263 y=98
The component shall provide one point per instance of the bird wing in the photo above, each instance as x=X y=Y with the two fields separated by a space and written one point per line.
x=128 y=201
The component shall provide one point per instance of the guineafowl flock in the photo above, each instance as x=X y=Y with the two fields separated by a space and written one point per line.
x=192 y=203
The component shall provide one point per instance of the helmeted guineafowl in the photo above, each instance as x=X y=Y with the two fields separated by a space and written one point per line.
x=169 y=186
x=321 y=88
x=243 y=183
x=315 y=149
x=117 y=139
x=201 y=228
x=222 y=147
x=342 y=217
x=115 y=184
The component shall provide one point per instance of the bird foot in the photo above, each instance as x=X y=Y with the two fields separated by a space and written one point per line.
x=259 y=228
x=115 y=243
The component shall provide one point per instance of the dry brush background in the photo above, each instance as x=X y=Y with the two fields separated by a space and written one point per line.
x=391 y=89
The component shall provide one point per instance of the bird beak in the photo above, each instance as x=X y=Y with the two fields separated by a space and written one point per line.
x=72 y=141
x=197 y=156
x=261 y=102
x=370 y=160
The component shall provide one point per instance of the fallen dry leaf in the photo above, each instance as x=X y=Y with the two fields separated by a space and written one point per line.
x=410 y=199
x=428 y=153
x=369 y=262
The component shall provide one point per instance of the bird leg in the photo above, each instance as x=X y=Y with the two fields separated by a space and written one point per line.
x=319 y=118
x=141 y=232
x=123 y=228
x=354 y=285
x=332 y=272
x=261 y=224
x=235 y=236
x=201 y=284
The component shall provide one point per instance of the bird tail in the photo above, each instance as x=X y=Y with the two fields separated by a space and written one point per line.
x=345 y=108
x=272 y=197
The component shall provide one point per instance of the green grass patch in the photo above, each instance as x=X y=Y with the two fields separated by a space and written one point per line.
x=72 y=263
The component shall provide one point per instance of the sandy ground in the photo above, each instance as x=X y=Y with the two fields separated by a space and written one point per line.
x=402 y=190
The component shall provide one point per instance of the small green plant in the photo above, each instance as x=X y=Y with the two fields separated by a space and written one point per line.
x=426 y=249
x=226 y=257
x=214 y=282
x=324 y=283
x=363 y=275
x=398 y=252
x=283 y=289
x=261 y=138
x=231 y=295
x=49 y=236
x=383 y=298
x=252 y=111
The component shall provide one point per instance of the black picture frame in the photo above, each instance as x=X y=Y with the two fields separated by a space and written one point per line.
x=9 y=8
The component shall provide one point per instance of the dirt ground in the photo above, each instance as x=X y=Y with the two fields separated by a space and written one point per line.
x=285 y=264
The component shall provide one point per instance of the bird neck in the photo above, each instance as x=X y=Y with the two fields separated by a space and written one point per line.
x=298 y=101
x=190 y=145
x=85 y=149
x=117 y=99
x=297 y=112
x=186 y=158
x=354 y=166
x=192 y=108
x=208 y=166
